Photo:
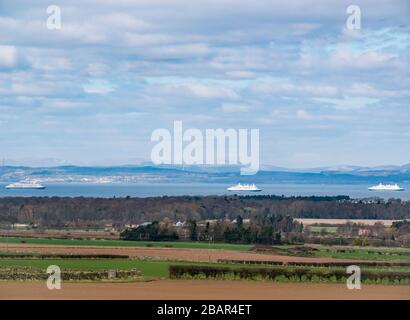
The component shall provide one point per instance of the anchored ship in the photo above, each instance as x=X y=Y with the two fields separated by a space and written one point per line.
x=244 y=187
x=386 y=187
x=25 y=185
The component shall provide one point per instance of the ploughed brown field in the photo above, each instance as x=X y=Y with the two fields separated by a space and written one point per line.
x=199 y=289
x=201 y=255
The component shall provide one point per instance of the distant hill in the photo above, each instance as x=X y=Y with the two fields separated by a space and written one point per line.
x=204 y=174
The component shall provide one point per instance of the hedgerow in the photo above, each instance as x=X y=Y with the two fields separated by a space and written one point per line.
x=295 y=274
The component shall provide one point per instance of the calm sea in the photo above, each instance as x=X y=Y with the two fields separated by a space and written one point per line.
x=152 y=190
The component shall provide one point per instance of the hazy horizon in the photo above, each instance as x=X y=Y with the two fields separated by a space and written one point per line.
x=147 y=162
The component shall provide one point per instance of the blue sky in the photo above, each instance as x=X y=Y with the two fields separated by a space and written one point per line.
x=93 y=91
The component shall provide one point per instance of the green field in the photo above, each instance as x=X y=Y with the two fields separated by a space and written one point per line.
x=356 y=253
x=322 y=229
x=150 y=268
x=123 y=243
x=367 y=253
x=350 y=252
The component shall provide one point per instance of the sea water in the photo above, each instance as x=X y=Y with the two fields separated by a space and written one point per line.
x=201 y=189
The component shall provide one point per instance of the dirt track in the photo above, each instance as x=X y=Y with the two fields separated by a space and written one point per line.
x=202 y=255
x=199 y=289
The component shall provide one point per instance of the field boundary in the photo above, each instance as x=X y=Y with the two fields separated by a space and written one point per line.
x=279 y=274
x=61 y=256
x=320 y=264
x=29 y=273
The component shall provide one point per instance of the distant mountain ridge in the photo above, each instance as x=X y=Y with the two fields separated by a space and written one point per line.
x=204 y=174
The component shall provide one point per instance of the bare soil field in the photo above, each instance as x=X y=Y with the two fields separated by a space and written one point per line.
x=200 y=255
x=199 y=289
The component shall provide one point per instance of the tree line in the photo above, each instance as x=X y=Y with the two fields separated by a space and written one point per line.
x=80 y=212
x=263 y=230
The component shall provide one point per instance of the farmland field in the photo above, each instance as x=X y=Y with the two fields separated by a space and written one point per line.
x=322 y=229
x=155 y=259
x=201 y=251
x=385 y=254
x=156 y=268
x=201 y=290
x=124 y=243
x=336 y=252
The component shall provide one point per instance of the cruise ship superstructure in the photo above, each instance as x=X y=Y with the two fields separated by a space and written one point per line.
x=244 y=187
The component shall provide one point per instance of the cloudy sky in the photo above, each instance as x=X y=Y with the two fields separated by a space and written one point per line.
x=93 y=91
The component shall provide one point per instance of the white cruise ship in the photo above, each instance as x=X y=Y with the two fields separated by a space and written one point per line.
x=386 y=187
x=25 y=185
x=244 y=187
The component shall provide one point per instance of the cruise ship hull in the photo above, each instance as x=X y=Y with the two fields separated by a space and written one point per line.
x=373 y=189
x=243 y=190
x=386 y=187
x=24 y=185
x=10 y=187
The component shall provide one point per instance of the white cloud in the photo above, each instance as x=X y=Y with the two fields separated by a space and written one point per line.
x=97 y=69
x=211 y=91
x=304 y=115
x=8 y=56
x=122 y=20
x=365 y=89
x=98 y=86
x=346 y=58
x=200 y=90
x=289 y=89
x=182 y=50
x=43 y=60
x=240 y=74
x=233 y=108
x=347 y=102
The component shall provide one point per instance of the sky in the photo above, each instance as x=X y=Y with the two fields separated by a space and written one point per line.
x=93 y=91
